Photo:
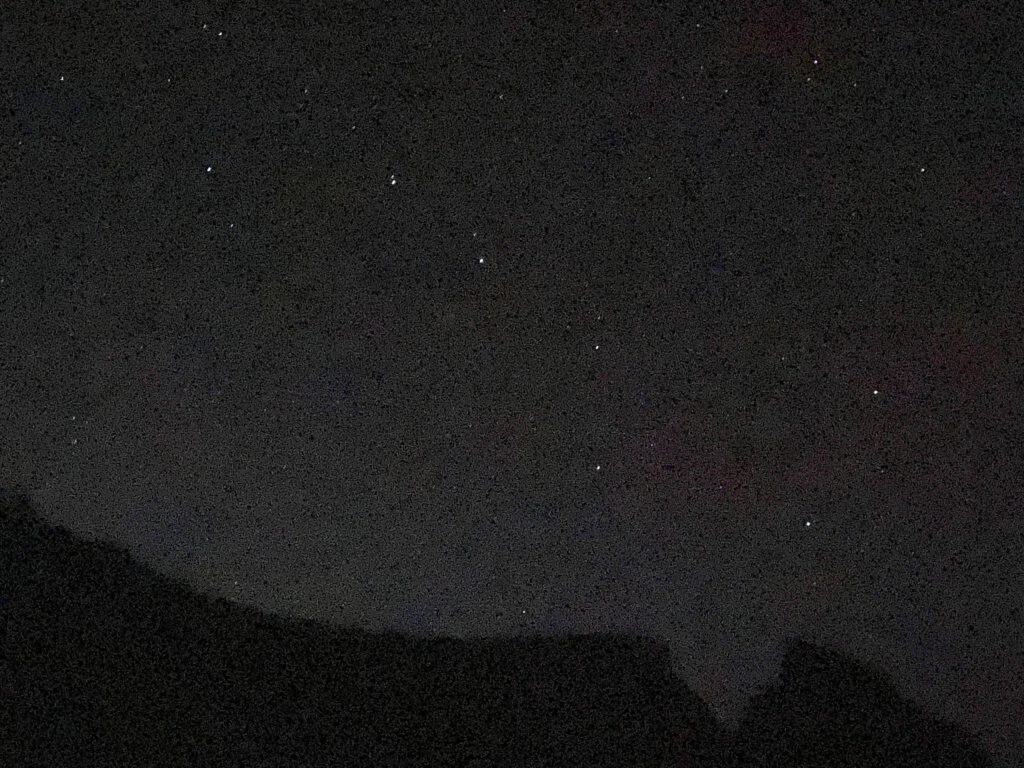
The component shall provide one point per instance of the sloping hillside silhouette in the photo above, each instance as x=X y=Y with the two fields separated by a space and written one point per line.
x=828 y=709
x=104 y=661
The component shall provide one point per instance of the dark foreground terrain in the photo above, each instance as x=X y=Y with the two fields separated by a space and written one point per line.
x=105 y=662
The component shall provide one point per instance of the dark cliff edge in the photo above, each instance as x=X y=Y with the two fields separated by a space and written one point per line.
x=828 y=708
x=104 y=661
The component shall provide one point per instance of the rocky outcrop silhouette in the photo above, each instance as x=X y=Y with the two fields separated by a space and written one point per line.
x=828 y=709
x=104 y=661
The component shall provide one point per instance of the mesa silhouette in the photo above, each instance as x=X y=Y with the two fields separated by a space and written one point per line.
x=106 y=662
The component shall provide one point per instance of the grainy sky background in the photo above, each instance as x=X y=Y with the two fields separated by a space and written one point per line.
x=702 y=322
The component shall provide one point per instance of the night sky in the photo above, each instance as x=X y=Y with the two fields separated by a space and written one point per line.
x=700 y=322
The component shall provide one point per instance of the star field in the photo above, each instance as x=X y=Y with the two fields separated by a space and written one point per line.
x=700 y=323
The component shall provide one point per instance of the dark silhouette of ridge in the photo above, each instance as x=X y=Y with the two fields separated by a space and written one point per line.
x=830 y=709
x=104 y=661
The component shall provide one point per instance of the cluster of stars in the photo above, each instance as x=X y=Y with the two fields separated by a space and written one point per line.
x=392 y=181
